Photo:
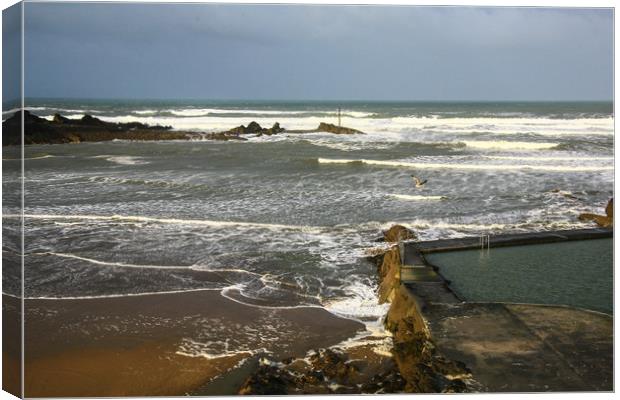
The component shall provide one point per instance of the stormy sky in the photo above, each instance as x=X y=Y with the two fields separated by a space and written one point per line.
x=321 y=52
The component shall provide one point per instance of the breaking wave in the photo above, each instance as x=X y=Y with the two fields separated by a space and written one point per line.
x=490 y=167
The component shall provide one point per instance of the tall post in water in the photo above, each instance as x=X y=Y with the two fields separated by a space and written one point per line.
x=339 y=116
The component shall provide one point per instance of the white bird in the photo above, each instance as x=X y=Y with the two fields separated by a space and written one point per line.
x=418 y=182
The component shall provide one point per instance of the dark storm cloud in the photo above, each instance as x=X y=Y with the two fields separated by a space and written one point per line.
x=317 y=52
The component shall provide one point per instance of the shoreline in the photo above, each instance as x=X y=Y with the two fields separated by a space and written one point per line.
x=130 y=346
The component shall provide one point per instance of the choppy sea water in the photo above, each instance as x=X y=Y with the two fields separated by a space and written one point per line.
x=285 y=221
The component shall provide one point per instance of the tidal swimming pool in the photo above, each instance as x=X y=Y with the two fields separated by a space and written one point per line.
x=575 y=273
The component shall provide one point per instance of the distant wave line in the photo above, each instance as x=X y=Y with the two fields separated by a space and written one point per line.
x=108 y=296
x=502 y=144
x=165 y=221
x=491 y=167
x=574 y=158
x=196 y=268
x=416 y=197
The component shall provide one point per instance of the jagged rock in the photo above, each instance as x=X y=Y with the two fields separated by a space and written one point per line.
x=223 y=136
x=397 y=233
x=87 y=129
x=268 y=380
x=332 y=364
x=388 y=270
x=605 y=221
x=339 y=130
x=90 y=120
x=59 y=119
x=389 y=381
x=609 y=209
x=254 y=128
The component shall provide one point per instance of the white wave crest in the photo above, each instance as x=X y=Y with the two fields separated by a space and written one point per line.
x=501 y=144
x=559 y=158
x=112 y=264
x=489 y=167
x=124 y=160
x=416 y=197
x=176 y=221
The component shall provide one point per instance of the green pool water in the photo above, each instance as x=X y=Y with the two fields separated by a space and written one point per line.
x=577 y=273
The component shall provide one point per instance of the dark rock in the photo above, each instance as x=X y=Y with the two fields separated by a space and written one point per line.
x=59 y=119
x=223 y=136
x=339 y=130
x=87 y=129
x=253 y=127
x=389 y=381
x=92 y=121
x=332 y=364
x=268 y=380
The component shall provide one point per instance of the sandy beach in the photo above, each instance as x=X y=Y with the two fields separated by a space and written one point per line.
x=129 y=346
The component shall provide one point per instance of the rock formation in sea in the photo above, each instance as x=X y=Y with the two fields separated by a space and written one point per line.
x=605 y=221
x=339 y=130
x=60 y=129
x=253 y=128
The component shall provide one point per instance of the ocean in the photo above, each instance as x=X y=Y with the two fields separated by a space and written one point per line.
x=285 y=221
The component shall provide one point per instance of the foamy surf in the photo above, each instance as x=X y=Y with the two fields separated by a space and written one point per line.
x=193 y=348
x=488 y=167
x=124 y=160
x=175 y=221
x=416 y=197
x=558 y=158
x=112 y=264
x=508 y=145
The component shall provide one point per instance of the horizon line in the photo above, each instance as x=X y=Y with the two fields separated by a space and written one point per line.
x=316 y=100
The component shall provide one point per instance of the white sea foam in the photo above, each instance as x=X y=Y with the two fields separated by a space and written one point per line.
x=558 y=158
x=193 y=348
x=29 y=158
x=114 y=296
x=124 y=160
x=360 y=302
x=490 y=167
x=416 y=197
x=141 y=219
x=508 y=145
x=216 y=119
x=113 y=264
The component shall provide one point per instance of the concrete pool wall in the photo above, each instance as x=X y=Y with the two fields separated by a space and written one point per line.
x=497 y=347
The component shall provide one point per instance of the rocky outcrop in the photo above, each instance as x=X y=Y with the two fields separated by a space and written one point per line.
x=254 y=128
x=397 y=233
x=86 y=129
x=418 y=361
x=605 y=221
x=339 y=130
x=92 y=129
x=326 y=371
x=329 y=128
x=224 y=136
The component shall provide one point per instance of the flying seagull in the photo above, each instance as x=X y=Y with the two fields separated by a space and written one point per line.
x=418 y=182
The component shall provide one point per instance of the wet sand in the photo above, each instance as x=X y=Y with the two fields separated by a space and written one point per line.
x=127 y=346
